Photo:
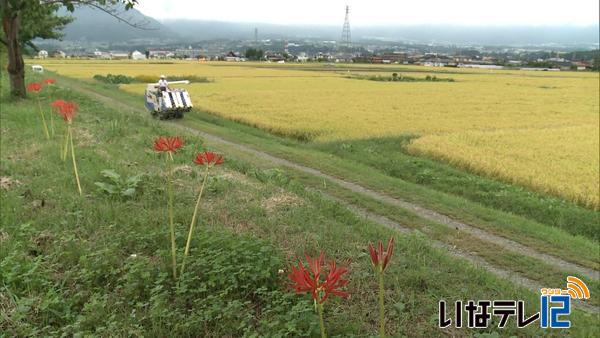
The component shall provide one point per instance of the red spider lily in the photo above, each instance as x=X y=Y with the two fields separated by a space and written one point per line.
x=380 y=260
x=302 y=279
x=308 y=280
x=379 y=257
x=209 y=158
x=334 y=282
x=66 y=109
x=34 y=87
x=49 y=81
x=56 y=104
x=168 y=144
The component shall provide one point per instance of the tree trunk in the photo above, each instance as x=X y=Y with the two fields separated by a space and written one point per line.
x=16 y=65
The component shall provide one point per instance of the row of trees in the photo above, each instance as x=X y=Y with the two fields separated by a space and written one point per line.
x=254 y=54
x=25 y=20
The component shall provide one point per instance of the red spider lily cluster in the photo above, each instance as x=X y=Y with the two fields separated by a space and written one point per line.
x=379 y=257
x=208 y=158
x=168 y=144
x=66 y=109
x=308 y=280
x=36 y=87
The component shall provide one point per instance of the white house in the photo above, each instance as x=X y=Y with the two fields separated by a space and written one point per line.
x=136 y=55
x=43 y=54
x=119 y=55
x=302 y=57
x=461 y=65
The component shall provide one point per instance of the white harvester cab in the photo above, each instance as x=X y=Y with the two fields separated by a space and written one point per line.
x=171 y=103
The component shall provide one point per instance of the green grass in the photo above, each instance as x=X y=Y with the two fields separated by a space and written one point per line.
x=67 y=266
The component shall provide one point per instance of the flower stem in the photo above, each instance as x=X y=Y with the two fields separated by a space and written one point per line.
x=52 y=124
x=63 y=154
x=43 y=119
x=193 y=223
x=70 y=132
x=171 y=216
x=321 y=321
x=381 y=306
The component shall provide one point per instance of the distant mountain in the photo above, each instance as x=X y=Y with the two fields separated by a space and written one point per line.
x=207 y=30
x=92 y=24
x=198 y=30
x=487 y=35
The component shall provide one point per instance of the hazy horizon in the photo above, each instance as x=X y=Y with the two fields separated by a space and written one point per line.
x=399 y=25
x=381 y=13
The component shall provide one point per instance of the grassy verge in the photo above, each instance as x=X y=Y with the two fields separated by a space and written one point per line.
x=98 y=265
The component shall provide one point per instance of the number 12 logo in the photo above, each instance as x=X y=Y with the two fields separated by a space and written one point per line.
x=550 y=314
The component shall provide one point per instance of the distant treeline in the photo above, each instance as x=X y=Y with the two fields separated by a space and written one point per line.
x=124 y=79
x=400 y=78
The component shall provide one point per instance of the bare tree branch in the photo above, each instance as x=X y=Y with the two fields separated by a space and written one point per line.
x=108 y=9
x=32 y=46
x=142 y=25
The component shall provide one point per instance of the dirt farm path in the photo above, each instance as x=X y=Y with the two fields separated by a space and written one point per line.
x=354 y=187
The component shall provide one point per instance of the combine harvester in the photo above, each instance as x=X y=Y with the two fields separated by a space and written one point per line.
x=170 y=104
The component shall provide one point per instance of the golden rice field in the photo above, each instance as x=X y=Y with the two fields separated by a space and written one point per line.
x=536 y=129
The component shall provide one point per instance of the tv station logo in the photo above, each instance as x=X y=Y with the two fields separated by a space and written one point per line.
x=555 y=307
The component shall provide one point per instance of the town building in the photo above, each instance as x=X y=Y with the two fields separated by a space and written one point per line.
x=137 y=55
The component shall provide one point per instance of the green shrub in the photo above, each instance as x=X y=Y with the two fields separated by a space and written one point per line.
x=399 y=78
x=116 y=186
x=114 y=79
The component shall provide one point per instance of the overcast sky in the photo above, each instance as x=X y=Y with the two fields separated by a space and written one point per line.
x=380 y=12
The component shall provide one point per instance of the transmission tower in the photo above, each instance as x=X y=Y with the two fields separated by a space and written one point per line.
x=346 y=41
